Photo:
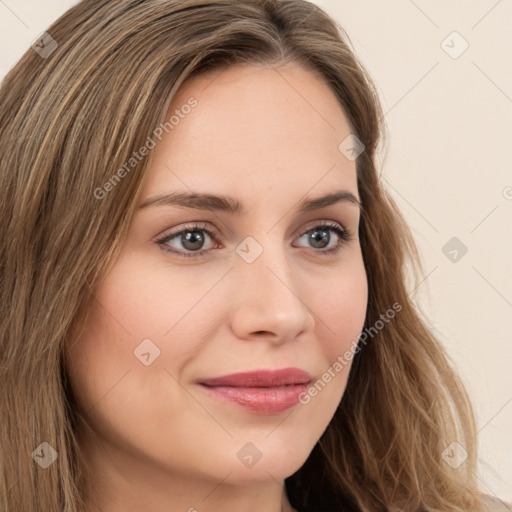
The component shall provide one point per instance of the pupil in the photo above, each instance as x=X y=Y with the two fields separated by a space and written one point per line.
x=318 y=237
x=192 y=240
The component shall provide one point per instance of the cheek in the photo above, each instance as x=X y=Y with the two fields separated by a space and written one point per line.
x=132 y=304
x=342 y=309
x=152 y=299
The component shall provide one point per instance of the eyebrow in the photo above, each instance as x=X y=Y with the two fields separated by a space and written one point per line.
x=233 y=206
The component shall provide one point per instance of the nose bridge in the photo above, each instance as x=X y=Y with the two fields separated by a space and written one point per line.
x=268 y=299
x=266 y=266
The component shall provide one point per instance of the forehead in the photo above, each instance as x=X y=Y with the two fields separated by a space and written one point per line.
x=254 y=126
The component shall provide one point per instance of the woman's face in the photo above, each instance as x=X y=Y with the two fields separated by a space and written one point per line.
x=268 y=289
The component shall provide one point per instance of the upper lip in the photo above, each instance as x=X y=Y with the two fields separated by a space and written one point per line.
x=261 y=378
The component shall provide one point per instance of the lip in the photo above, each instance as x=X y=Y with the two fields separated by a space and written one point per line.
x=261 y=391
x=261 y=378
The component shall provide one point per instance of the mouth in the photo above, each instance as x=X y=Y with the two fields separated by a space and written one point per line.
x=261 y=392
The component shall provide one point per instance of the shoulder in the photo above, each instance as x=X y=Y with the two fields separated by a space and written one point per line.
x=495 y=505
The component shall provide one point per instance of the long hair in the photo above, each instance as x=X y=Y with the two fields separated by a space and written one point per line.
x=73 y=111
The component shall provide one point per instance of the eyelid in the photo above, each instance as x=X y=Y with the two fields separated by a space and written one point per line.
x=318 y=222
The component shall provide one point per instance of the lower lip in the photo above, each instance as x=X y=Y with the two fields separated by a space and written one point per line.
x=260 y=400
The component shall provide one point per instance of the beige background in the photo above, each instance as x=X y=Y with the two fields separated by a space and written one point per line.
x=448 y=166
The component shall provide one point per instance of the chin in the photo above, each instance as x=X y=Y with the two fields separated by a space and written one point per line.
x=274 y=457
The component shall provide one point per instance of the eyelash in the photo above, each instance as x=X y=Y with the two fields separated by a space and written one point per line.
x=343 y=234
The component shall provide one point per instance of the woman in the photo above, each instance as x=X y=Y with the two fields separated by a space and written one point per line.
x=203 y=280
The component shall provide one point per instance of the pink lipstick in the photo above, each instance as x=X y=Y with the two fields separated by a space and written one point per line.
x=262 y=391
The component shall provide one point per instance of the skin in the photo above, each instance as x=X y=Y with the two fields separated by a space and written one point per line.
x=269 y=138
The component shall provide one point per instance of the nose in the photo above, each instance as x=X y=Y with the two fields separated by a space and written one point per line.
x=267 y=301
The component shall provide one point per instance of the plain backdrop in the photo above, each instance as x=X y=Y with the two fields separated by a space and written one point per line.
x=444 y=73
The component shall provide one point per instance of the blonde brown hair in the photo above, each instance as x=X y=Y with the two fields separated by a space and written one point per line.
x=70 y=119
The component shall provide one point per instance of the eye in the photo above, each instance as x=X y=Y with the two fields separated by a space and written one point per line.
x=191 y=238
x=320 y=237
x=190 y=241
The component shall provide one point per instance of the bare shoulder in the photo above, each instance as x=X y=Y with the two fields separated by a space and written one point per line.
x=492 y=504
